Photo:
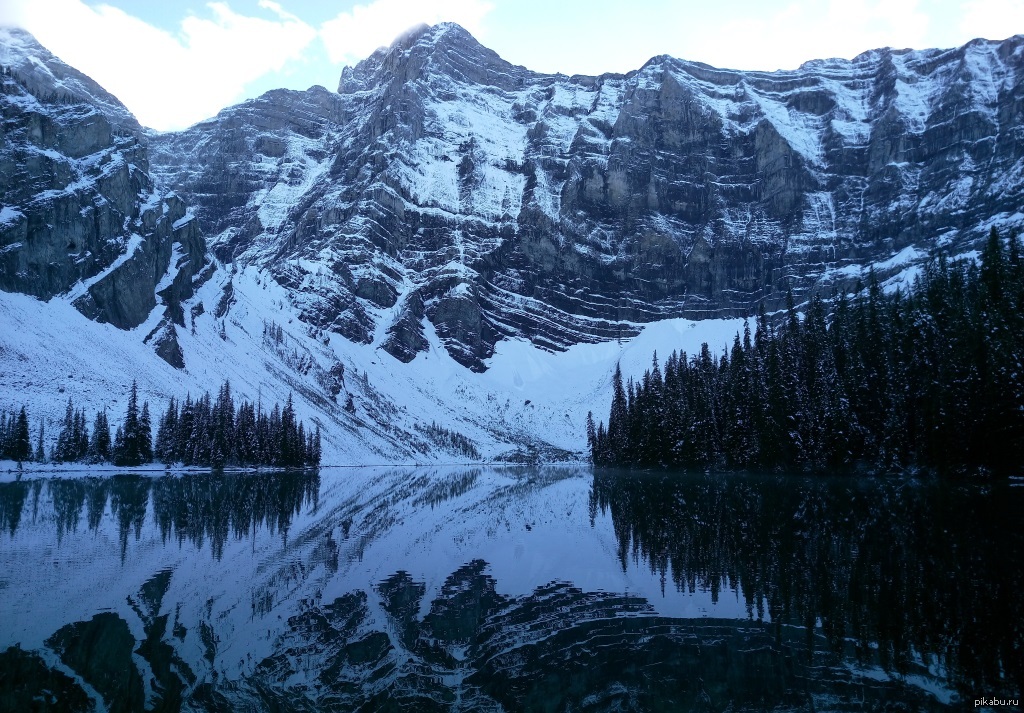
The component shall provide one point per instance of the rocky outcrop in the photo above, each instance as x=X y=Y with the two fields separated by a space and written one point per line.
x=157 y=268
x=80 y=216
x=405 y=336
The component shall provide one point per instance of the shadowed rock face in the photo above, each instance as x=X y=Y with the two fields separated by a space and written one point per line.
x=80 y=216
x=512 y=203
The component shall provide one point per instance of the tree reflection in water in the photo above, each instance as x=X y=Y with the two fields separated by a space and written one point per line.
x=197 y=507
x=903 y=572
x=843 y=580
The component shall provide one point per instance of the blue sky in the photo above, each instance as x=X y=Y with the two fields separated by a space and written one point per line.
x=175 y=63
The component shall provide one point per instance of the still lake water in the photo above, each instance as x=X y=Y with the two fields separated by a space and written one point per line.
x=500 y=589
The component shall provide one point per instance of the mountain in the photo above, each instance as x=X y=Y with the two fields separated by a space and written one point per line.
x=443 y=182
x=81 y=217
x=450 y=238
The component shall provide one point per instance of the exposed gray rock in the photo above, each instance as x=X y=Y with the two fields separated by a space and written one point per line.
x=405 y=336
x=165 y=342
x=253 y=156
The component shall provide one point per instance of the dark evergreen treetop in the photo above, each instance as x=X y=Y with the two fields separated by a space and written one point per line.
x=930 y=379
x=218 y=434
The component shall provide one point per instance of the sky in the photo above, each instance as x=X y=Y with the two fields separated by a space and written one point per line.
x=176 y=63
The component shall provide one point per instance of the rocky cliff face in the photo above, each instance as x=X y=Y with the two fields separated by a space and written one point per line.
x=442 y=182
x=442 y=188
x=80 y=218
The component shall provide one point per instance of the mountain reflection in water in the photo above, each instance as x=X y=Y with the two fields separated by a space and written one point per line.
x=507 y=589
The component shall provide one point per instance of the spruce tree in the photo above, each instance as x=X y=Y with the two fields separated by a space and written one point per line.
x=618 y=420
x=80 y=437
x=40 y=454
x=288 y=436
x=117 y=447
x=145 y=435
x=591 y=437
x=99 y=445
x=223 y=436
x=163 y=448
x=6 y=438
x=127 y=449
x=183 y=432
x=22 y=446
x=63 y=450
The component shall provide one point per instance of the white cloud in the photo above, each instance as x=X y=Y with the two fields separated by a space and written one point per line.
x=808 y=29
x=168 y=80
x=354 y=35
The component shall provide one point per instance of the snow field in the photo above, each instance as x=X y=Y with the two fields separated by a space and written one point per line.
x=527 y=395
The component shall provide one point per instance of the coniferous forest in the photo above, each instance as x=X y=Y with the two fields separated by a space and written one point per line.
x=204 y=432
x=929 y=379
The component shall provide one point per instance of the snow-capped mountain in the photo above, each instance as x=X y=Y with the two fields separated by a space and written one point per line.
x=81 y=217
x=450 y=238
x=443 y=182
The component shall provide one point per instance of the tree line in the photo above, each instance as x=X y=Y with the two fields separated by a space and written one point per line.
x=931 y=378
x=216 y=433
x=202 y=432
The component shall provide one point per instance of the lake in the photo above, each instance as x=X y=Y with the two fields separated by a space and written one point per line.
x=507 y=589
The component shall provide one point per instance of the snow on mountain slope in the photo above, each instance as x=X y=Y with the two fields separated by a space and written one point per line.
x=529 y=404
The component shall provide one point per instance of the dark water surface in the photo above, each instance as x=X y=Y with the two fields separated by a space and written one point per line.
x=494 y=589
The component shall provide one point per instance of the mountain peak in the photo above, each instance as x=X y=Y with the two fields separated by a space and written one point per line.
x=451 y=208
x=46 y=77
x=433 y=34
x=446 y=47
